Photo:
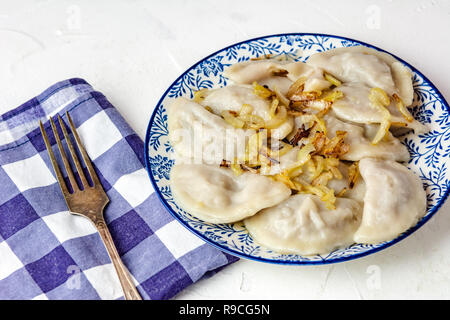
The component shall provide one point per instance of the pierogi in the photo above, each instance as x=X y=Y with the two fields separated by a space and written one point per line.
x=367 y=66
x=359 y=138
x=233 y=97
x=250 y=71
x=394 y=200
x=277 y=74
x=303 y=152
x=201 y=136
x=216 y=195
x=302 y=225
x=356 y=107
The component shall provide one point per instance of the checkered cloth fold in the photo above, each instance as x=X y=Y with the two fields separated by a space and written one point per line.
x=47 y=253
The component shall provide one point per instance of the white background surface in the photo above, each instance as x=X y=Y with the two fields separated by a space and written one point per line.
x=133 y=50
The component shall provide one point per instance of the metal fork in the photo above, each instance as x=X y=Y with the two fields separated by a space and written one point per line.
x=89 y=201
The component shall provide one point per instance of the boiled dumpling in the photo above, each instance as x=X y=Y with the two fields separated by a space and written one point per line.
x=356 y=67
x=394 y=200
x=265 y=73
x=233 y=97
x=250 y=71
x=368 y=66
x=199 y=135
x=217 y=195
x=355 y=106
x=282 y=84
x=302 y=225
x=403 y=81
x=359 y=138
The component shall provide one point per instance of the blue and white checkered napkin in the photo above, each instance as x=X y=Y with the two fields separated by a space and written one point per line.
x=47 y=253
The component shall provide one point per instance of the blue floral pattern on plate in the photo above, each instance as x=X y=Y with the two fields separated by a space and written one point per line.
x=430 y=152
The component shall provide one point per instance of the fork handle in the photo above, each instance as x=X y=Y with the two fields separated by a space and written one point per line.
x=129 y=289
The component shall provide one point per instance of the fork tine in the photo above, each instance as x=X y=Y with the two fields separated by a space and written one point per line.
x=84 y=182
x=55 y=165
x=69 y=171
x=84 y=154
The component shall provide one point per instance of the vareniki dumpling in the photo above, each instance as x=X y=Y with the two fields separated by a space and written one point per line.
x=277 y=74
x=250 y=71
x=302 y=225
x=355 y=106
x=394 y=200
x=202 y=136
x=359 y=138
x=368 y=66
x=217 y=195
x=233 y=97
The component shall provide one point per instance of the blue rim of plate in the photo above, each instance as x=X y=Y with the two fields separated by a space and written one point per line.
x=287 y=262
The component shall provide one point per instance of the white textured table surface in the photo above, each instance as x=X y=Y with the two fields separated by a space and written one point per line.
x=133 y=50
